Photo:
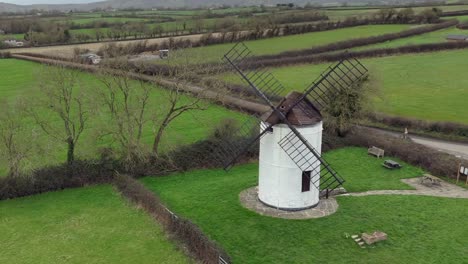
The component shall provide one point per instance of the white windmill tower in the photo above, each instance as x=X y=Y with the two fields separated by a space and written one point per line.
x=282 y=184
x=292 y=173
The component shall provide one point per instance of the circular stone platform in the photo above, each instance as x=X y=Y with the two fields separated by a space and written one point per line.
x=249 y=199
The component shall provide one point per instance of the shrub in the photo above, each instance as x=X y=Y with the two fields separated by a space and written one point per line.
x=450 y=128
x=5 y=55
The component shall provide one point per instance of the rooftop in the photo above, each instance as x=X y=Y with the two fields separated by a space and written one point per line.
x=303 y=114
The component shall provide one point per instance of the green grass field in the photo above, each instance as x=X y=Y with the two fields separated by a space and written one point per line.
x=190 y=127
x=438 y=36
x=86 y=225
x=210 y=198
x=428 y=86
x=287 y=43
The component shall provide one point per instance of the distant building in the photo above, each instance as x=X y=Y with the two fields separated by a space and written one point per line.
x=164 y=53
x=457 y=38
x=13 y=43
x=90 y=58
x=2 y=32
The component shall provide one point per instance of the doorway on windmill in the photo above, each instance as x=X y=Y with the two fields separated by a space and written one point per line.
x=306 y=181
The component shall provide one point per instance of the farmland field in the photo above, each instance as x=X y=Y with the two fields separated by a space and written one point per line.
x=438 y=36
x=210 y=199
x=294 y=42
x=428 y=86
x=192 y=126
x=86 y=225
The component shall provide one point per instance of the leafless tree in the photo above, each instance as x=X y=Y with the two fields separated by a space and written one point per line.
x=64 y=101
x=126 y=101
x=177 y=107
x=13 y=130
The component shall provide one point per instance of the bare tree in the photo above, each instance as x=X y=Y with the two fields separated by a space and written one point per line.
x=66 y=103
x=126 y=101
x=177 y=106
x=13 y=146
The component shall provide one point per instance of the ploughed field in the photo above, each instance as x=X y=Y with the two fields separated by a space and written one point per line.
x=20 y=79
x=86 y=225
x=421 y=229
x=429 y=86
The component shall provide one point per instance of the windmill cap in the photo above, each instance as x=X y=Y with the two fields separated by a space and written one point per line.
x=303 y=114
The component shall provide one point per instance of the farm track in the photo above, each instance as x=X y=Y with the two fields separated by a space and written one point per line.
x=66 y=51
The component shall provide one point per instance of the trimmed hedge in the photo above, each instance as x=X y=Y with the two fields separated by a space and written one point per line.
x=352 y=43
x=371 y=53
x=433 y=161
x=451 y=128
x=184 y=231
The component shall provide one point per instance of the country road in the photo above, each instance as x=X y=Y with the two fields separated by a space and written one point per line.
x=455 y=148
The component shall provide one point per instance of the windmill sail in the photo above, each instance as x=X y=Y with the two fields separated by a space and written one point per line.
x=340 y=76
x=308 y=159
x=262 y=81
x=240 y=141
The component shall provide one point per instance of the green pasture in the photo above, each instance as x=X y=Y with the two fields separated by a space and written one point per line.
x=287 y=43
x=438 y=36
x=210 y=198
x=429 y=86
x=21 y=78
x=86 y=225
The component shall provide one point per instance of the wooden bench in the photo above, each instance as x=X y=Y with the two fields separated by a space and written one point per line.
x=375 y=151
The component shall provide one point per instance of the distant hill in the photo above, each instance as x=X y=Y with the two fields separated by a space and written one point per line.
x=146 y=4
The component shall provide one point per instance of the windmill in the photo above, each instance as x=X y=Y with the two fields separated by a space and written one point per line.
x=292 y=173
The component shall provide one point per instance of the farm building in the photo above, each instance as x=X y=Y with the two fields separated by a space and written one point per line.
x=13 y=43
x=90 y=58
x=457 y=38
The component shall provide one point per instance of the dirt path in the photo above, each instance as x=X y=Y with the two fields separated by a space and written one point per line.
x=457 y=149
x=445 y=189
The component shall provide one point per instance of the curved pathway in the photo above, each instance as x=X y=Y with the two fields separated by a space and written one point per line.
x=248 y=199
x=445 y=189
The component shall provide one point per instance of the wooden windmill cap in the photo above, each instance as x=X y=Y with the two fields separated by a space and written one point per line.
x=303 y=114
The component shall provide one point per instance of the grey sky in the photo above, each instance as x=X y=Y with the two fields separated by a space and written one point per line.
x=30 y=2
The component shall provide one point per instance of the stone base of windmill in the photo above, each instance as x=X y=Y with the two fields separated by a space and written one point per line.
x=249 y=199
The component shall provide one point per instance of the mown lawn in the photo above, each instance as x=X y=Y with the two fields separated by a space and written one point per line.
x=20 y=79
x=420 y=229
x=429 y=86
x=86 y=225
x=287 y=43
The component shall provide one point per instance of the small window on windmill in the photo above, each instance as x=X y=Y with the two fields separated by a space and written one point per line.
x=306 y=181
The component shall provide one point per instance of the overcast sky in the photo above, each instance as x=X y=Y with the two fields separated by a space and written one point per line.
x=30 y=2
